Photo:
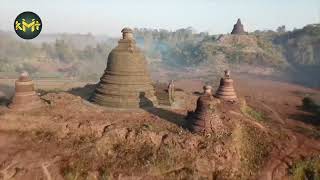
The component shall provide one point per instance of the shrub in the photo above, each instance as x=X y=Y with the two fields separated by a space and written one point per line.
x=306 y=169
x=308 y=104
x=248 y=111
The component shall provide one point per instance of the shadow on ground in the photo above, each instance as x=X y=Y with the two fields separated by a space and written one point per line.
x=162 y=113
x=197 y=93
x=302 y=94
x=308 y=118
x=168 y=115
x=6 y=92
x=310 y=112
x=84 y=92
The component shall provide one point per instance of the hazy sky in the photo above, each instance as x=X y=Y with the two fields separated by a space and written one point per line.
x=109 y=16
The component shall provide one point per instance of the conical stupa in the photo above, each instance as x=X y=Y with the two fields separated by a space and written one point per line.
x=25 y=97
x=126 y=82
x=205 y=116
x=226 y=90
x=238 y=28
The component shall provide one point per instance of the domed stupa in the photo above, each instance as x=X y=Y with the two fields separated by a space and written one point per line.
x=25 y=97
x=226 y=90
x=126 y=82
x=238 y=28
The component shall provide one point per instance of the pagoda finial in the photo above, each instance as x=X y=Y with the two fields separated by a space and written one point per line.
x=127 y=33
x=239 y=21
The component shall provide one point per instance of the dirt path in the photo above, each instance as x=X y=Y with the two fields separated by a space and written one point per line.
x=275 y=114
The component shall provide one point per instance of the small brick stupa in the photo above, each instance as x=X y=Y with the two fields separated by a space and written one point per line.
x=25 y=97
x=200 y=120
x=238 y=29
x=126 y=82
x=226 y=90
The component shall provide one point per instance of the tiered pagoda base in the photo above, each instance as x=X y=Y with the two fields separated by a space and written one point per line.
x=226 y=90
x=25 y=97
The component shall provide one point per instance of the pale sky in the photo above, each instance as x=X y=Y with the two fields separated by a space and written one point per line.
x=108 y=17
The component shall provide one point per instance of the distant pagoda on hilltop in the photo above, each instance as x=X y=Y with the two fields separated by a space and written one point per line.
x=238 y=28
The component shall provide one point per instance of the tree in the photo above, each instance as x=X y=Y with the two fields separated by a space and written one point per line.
x=63 y=51
x=281 y=29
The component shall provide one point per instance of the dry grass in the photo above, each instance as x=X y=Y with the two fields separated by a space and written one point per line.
x=47 y=91
x=253 y=147
x=306 y=169
x=133 y=157
x=252 y=113
x=310 y=132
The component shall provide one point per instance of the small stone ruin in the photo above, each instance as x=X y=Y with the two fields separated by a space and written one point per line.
x=226 y=90
x=200 y=120
x=171 y=92
x=25 y=97
x=166 y=94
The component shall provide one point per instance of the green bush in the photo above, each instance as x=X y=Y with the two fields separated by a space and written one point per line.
x=259 y=116
x=309 y=104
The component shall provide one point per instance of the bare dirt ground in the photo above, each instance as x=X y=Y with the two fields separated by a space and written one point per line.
x=71 y=138
x=282 y=102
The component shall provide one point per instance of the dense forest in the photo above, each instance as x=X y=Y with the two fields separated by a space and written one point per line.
x=84 y=56
x=67 y=56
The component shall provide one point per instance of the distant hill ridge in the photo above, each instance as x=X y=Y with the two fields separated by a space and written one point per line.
x=84 y=56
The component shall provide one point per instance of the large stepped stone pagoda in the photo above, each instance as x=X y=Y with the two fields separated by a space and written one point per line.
x=238 y=29
x=25 y=97
x=126 y=82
